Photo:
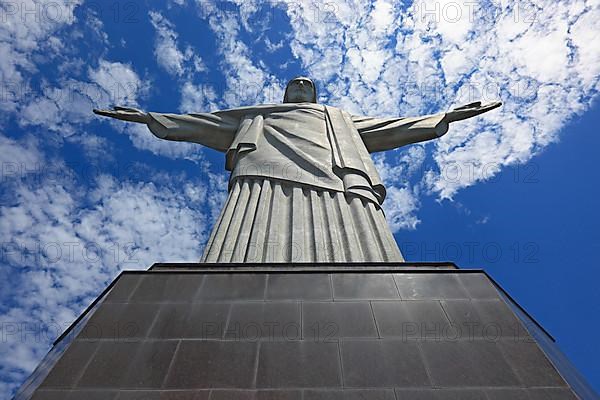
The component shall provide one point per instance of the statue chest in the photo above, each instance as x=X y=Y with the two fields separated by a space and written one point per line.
x=290 y=145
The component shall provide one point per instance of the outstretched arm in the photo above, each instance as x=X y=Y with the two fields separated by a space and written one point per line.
x=215 y=130
x=380 y=134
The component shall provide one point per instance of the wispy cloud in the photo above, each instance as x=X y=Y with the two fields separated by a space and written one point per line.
x=167 y=52
x=64 y=107
x=246 y=82
x=28 y=33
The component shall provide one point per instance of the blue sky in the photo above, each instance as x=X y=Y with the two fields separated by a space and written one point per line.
x=82 y=198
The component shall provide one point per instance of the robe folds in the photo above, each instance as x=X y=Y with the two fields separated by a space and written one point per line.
x=305 y=159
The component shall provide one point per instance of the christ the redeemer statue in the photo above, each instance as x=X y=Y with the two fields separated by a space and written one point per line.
x=303 y=187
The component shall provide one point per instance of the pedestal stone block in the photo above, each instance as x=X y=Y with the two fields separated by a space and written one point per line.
x=386 y=331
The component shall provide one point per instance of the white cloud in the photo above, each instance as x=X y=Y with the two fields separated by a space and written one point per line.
x=401 y=208
x=396 y=170
x=97 y=149
x=66 y=109
x=166 y=51
x=383 y=16
x=28 y=30
x=198 y=98
x=119 y=81
x=587 y=57
x=246 y=83
x=19 y=158
x=273 y=47
x=17 y=153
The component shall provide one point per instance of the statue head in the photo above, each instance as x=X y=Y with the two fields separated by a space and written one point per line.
x=300 y=90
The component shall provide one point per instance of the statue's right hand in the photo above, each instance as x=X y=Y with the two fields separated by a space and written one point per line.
x=125 y=114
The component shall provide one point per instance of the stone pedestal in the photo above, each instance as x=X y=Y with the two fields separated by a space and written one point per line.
x=378 y=331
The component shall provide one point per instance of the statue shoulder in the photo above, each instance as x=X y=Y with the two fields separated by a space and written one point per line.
x=266 y=108
x=258 y=108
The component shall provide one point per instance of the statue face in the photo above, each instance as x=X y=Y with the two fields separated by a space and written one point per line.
x=300 y=90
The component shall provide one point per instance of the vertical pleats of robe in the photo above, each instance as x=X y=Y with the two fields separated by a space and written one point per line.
x=271 y=221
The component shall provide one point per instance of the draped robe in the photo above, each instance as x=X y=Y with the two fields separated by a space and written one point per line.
x=303 y=187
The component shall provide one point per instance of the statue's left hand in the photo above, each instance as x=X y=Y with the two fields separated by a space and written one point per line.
x=470 y=110
x=125 y=114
